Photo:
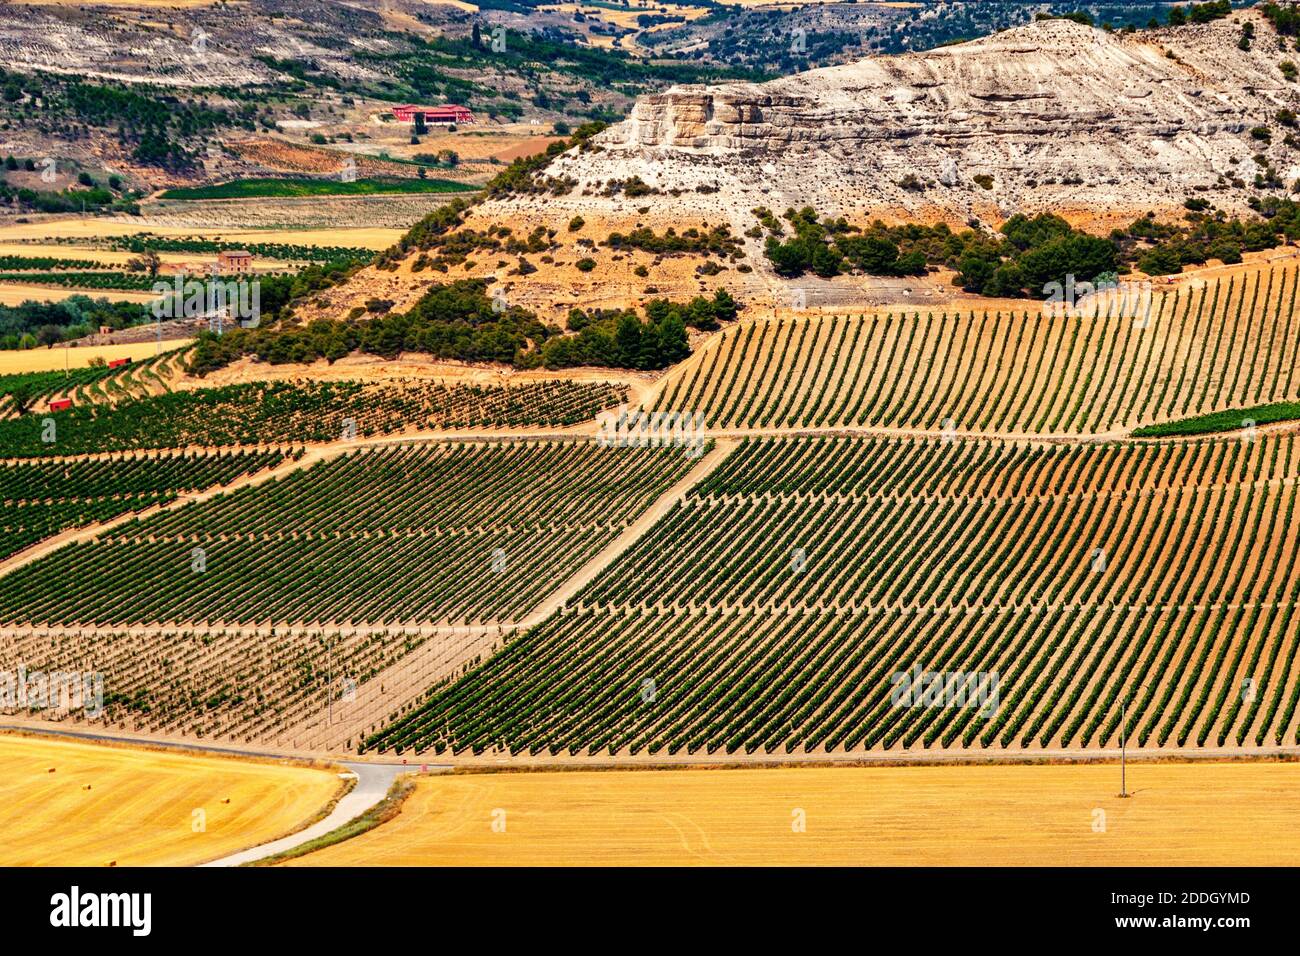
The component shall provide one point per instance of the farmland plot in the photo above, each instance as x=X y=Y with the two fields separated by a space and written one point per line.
x=454 y=533
x=1223 y=345
x=781 y=606
x=40 y=499
x=288 y=412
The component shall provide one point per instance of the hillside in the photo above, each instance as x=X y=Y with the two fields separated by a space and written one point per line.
x=1063 y=117
x=1053 y=117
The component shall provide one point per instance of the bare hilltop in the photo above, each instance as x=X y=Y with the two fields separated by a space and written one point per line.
x=1050 y=116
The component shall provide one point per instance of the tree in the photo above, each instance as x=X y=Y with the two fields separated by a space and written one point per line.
x=673 y=342
x=49 y=335
x=627 y=340
x=146 y=261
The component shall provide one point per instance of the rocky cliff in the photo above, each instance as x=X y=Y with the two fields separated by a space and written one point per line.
x=1050 y=116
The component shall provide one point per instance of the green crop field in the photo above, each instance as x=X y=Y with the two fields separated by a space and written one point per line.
x=294 y=413
x=445 y=533
x=40 y=499
x=773 y=608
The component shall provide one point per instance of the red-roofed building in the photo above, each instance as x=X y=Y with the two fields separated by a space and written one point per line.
x=434 y=115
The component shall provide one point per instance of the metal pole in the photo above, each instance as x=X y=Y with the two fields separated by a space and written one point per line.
x=1123 y=744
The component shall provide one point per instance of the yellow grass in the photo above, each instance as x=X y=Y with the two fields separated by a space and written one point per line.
x=894 y=4
x=458 y=4
x=365 y=237
x=46 y=360
x=139 y=810
x=17 y=293
x=1181 y=814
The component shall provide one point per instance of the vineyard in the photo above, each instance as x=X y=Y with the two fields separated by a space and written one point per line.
x=90 y=385
x=249 y=685
x=41 y=499
x=455 y=533
x=286 y=412
x=773 y=608
x=119 y=281
x=278 y=251
x=1224 y=345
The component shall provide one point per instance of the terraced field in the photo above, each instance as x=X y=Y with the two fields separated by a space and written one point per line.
x=41 y=499
x=90 y=384
x=1223 y=345
x=292 y=412
x=775 y=608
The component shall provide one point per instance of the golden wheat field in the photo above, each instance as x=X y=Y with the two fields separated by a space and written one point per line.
x=17 y=294
x=1040 y=815
x=55 y=359
x=64 y=803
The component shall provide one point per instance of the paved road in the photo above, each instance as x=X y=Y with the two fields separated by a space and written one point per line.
x=373 y=782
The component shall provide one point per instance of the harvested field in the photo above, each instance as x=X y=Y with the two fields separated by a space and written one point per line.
x=1203 y=814
x=55 y=359
x=74 y=804
x=83 y=231
x=395 y=213
x=12 y=293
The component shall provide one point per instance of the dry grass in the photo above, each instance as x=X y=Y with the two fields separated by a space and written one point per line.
x=17 y=294
x=1181 y=814
x=48 y=360
x=103 y=804
x=115 y=3
x=91 y=229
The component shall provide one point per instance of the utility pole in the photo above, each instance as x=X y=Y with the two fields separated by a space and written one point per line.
x=1123 y=740
x=1123 y=725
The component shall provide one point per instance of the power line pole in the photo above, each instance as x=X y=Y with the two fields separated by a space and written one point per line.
x=1123 y=737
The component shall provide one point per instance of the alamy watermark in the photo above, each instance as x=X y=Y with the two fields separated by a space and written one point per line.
x=1105 y=295
x=24 y=689
x=217 y=300
x=633 y=428
x=919 y=688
